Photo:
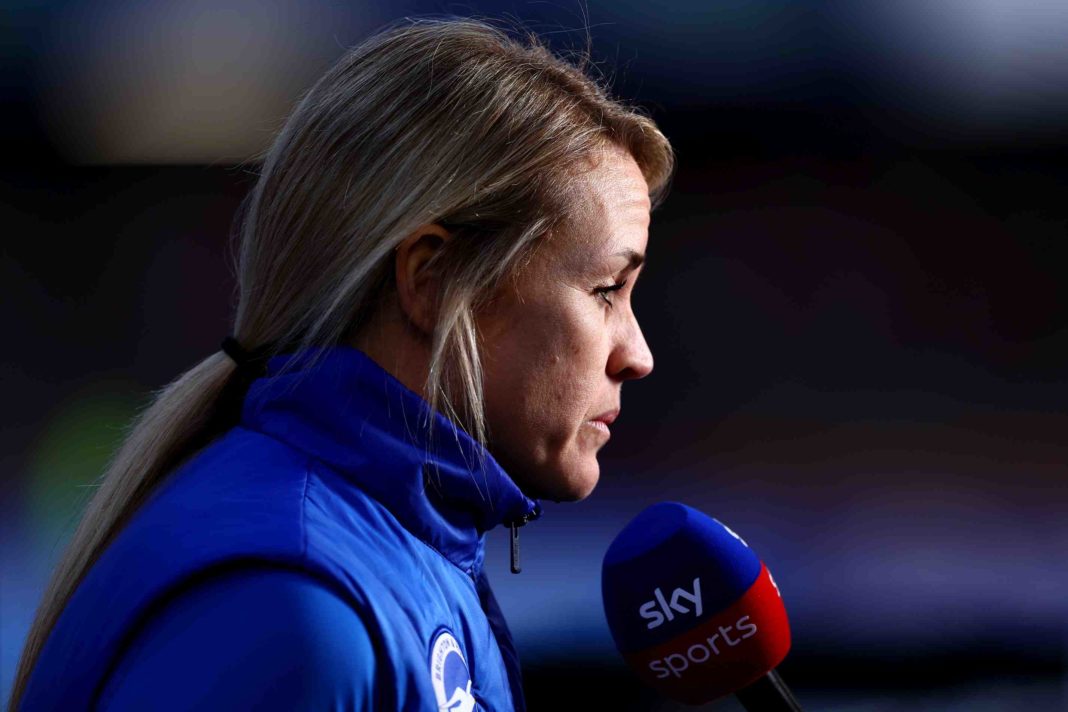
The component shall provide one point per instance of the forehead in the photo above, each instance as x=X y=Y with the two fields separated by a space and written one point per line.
x=610 y=212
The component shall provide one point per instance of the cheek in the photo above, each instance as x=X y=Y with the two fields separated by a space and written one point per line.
x=543 y=364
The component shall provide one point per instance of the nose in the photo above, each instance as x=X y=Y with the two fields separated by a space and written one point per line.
x=630 y=358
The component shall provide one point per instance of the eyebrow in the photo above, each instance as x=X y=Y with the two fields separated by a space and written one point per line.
x=634 y=259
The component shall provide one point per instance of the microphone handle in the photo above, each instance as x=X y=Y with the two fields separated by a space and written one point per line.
x=768 y=694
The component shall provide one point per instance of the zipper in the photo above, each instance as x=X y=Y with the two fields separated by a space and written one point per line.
x=514 y=525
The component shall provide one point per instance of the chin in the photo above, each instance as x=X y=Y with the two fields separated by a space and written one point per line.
x=556 y=481
x=569 y=486
x=584 y=492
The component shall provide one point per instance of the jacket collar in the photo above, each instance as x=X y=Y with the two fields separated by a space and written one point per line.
x=342 y=408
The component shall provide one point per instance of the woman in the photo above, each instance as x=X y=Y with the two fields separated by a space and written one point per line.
x=433 y=328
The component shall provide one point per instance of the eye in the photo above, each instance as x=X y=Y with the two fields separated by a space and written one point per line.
x=603 y=292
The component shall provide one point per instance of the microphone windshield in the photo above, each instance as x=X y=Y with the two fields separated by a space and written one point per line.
x=692 y=609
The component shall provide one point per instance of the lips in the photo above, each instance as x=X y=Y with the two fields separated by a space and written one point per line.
x=608 y=417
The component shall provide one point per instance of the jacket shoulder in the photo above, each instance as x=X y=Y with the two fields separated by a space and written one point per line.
x=255 y=638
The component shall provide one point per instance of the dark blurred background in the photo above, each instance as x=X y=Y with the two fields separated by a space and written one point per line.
x=856 y=299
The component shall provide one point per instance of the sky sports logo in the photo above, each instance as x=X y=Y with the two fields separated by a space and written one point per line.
x=648 y=609
x=682 y=602
x=703 y=651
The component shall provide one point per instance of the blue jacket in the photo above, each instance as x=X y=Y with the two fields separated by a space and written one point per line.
x=324 y=554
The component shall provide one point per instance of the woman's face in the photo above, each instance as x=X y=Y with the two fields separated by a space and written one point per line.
x=558 y=347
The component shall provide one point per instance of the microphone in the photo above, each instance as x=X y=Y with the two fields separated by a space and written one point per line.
x=694 y=612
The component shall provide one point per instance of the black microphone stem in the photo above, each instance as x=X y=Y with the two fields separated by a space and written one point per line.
x=768 y=694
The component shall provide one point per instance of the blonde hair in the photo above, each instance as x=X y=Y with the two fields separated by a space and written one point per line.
x=435 y=121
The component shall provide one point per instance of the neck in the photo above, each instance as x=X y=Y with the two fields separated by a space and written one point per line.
x=396 y=345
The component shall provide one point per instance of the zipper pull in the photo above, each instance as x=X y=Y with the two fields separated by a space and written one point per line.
x=515 y=548
x=514 y=525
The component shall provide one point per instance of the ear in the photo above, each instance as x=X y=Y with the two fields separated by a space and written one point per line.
x=419 y=287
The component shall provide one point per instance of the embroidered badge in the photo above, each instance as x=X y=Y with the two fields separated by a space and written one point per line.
x=449 y=674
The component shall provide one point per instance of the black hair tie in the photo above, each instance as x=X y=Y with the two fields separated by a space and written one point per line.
x=252 y=363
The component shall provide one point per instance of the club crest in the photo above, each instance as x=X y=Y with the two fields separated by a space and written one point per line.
x=449 y=674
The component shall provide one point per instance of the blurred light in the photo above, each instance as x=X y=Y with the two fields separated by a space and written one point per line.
x=986 y=65
x=69 y=458
x=193 y=82
x=63 y=468
x=210 y=81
